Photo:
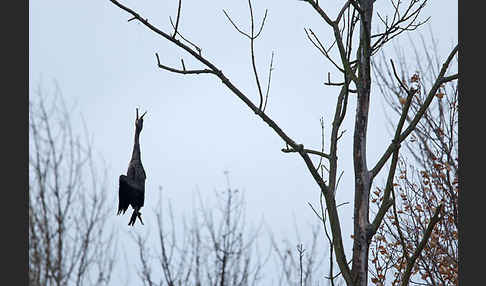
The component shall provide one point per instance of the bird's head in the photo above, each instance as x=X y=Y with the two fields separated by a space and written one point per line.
x=139 y=122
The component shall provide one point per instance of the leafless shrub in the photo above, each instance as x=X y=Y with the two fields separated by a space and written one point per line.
x=301 y=264
x=213 y=248
x=69 y=241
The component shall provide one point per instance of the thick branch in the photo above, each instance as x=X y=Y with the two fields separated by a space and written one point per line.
x=387 y=202
x=433 y=91
x=397 y=223
x=411 y=262
x=450 y=78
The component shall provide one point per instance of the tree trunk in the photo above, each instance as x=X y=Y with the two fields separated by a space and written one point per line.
x=362 y=177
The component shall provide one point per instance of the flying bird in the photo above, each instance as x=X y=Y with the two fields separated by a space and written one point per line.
x=132 y=186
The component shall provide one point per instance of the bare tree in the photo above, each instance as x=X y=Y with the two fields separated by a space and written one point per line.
x=351 y=54
x=69 y=241
x=213 y=248
x=426 y=182
x=299 y=264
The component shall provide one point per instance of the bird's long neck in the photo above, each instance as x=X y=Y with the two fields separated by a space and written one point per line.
x=136 y=147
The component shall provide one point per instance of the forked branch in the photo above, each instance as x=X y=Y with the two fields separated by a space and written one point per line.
x=252 y=36
x=183 y=71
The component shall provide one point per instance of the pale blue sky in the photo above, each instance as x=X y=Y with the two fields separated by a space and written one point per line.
x=195 y=128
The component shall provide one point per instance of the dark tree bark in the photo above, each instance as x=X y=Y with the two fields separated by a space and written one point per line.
x=362 y=178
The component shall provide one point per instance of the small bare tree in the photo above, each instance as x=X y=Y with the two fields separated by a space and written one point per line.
x=214 y=248
x=426 y=184
x=300 y=264
x=69 y=242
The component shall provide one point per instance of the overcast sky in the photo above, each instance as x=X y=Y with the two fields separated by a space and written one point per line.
x=195 y=128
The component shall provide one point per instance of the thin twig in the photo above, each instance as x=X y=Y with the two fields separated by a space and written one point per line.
x=268 y=84
x=263 y=23
x=252 y=50
x=236 y=27
x=322 y=154
x=407 y=91
x=321 y=48
x=252 y=37
x=198 y=49
x=177 y=19
x=183 y=71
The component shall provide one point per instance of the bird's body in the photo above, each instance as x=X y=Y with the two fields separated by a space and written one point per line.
x=132 y=186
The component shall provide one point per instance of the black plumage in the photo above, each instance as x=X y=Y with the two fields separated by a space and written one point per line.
x=132 y=186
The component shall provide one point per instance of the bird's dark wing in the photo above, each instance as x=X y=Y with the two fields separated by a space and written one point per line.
x=129 y=193
x=123 y=195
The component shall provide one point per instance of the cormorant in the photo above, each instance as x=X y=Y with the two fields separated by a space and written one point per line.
x=132 y=186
